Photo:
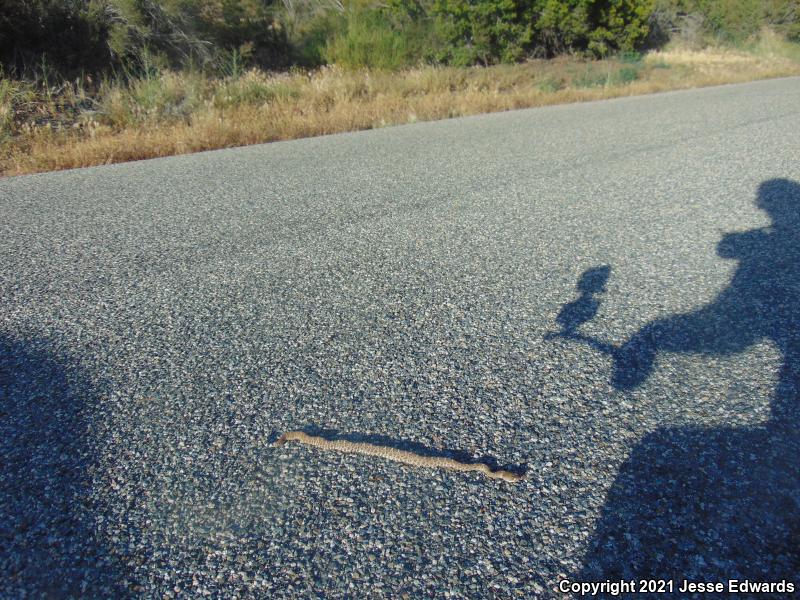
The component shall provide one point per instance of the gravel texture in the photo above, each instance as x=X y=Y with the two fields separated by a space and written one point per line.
x=606 y=295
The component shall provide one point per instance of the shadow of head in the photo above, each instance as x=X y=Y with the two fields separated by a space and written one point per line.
x=593 y=281
x=780 y=198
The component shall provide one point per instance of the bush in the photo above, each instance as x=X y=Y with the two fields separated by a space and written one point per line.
x=310 y=37
x=732 y=21
x=249 y=27
x=597 y=26
x=229 y=36
x=492 y=31
x=205 y=33
x=383 y=38
x=784 y=16
x=617 y=25
x=68 y=35
x=562 y=26
x=484 y=32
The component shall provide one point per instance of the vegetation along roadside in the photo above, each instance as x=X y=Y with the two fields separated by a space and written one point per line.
x=89 y=82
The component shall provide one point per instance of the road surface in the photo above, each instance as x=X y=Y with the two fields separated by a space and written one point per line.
x=604 y=295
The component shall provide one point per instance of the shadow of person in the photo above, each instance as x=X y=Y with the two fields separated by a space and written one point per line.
x=714 y=504
x=48 y=545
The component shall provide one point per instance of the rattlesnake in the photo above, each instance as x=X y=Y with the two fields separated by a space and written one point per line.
x=403 y=456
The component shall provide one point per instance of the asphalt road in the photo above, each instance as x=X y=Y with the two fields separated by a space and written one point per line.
x=605 y=295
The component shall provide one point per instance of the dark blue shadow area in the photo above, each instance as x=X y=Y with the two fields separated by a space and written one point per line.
x=713 y=504
x=48 y=546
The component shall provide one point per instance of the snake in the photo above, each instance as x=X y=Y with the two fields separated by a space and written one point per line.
x=401 y=456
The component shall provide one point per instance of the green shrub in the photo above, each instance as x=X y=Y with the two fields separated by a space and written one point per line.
x=227 y=37
x=562 y=26
x=600 y=27
x=617 y=25
x=378 y=38
x=208 y=32
x=732 y=21
x=507 y=30
x=483 y=32
x=250 y=27
x=784 y=17
x=310 y=37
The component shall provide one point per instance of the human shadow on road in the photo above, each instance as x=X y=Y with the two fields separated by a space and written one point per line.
x=713 y=503
x=48 y=545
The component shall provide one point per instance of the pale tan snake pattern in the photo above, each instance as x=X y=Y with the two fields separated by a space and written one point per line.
x=402 y=456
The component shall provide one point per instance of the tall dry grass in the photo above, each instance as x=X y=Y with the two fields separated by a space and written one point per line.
x=175 y=113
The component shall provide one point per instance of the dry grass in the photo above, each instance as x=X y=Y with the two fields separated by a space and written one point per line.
x=179 y=113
